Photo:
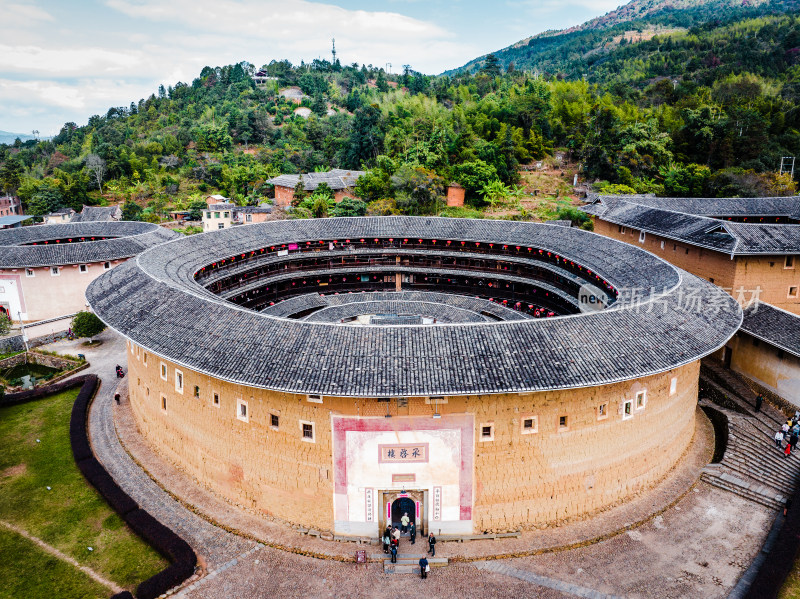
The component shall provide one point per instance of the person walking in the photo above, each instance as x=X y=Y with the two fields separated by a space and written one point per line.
x=787 y=450
x=394 y=553
x=759 y=401
x=779 y=440
x=793 y=439
x=412 y=532
x=432 y=545
x=424 y=568
x=116 y=398
x=404 y=522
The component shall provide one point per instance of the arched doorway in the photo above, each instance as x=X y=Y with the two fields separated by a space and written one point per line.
x=403 y=505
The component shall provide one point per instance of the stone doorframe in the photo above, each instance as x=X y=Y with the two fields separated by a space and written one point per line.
x=416 y=495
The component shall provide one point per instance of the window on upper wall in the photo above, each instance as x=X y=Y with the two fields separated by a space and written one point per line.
x=627 y=409
x=642 y=236
x=163 y=371
x=530 y=425
x=641 y=400
x=621 y=229
x=197 y=391
x=241 y=411
x=215 y=399
x=106 y=265
x=178 y=381
x=144 y=358
x=83 y=268
x=487 y=432
x=29 y=272
x=274 y=421
x=55 y=271
x=164 y=403
x=792 y=291
x=662 y=245
x=563 y=423
x=307 y=429
x=673 y=385
x=314 y=398
x=789 y=262
x=602 y=411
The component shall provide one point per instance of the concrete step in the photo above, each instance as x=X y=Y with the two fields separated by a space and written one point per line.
x=389 y=568
x=775 y=502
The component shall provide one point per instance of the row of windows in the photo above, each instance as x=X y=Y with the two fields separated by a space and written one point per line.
x=217 y=215
x=55 y=271
x=529 y=424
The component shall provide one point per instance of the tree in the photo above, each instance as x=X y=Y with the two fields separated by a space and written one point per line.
x=350 y=207
x=131 y=211
x=491 y=66
x=11 y=174
x=97 y=166
x=196 y=208
x=47 y=199
x=87 y=324
x=5 y=324
x=381 y=83
x=474 y=176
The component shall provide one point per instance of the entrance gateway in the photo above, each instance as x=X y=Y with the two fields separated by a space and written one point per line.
x=385 y=467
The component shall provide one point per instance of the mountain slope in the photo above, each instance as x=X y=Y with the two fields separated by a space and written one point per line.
x=553 y=52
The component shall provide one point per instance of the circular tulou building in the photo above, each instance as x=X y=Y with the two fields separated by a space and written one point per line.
x=45 y=269
x=477 y=375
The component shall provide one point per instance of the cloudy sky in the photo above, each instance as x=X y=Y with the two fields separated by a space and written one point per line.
x=64 y=60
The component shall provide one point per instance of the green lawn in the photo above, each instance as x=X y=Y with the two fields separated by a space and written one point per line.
x=34 y=454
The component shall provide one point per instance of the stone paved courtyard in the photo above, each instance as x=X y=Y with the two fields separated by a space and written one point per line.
x=698 y=547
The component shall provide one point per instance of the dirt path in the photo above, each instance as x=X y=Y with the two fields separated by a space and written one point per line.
x=64 y=558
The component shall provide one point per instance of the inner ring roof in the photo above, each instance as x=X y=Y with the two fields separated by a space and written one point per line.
x=155 y=302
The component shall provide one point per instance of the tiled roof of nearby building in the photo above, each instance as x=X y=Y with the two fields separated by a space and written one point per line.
x=146 y=298
x=254 y=209
x=13 y=219
x=559 y=222
x=718 y=207
x=336 y=179
x=97 y=213
x=774 y=326
x=723 y=236
x=129 y=239
x=63 y=211
x=221 y=206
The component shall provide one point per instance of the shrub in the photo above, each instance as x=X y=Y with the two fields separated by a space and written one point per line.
x=87 y=324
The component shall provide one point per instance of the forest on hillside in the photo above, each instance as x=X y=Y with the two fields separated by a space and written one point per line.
x=703 y=113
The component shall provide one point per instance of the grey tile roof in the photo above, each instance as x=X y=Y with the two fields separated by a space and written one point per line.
x=97 y=213
x=788 y=206
x=300 y=303
x=774 y=326
x=128 y=239
x=441 y=312
x=732 y=238
x=147 y=300
x=336 y=179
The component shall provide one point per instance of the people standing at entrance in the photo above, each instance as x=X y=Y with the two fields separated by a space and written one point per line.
x=404 y=522
x=432 y=545
x=412 y=532
x=386 y=540
x=396 y=535
x=423 y=567
x=394 y=554
x=759 y=401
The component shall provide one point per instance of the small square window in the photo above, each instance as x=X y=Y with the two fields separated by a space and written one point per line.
x=602 y=411
x=674 y=247
x=563 y=422
x=144 y=358
x=83 y=268
x=29 y=272
x=315 y=398
x=163 y=371
x=106 y=265
x=227 y=214
x=215 y=401
x=792 y=291
x=621 y=229
x=641 y=236
x=241 y=411
x=627 y=409
x=248 y=218
x=789 y=263
x=164 y=403
x=221 y=226
x=530 y=425
x=673 y=385
x=308 y=431
x=197 y=391
x=216 y=215
x=687 y=251
x=274 y=421
x=178 y=381
x=55 y=271
x=641 y=400
x=662 y=245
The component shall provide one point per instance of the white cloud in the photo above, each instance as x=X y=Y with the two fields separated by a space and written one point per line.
x=22 y=15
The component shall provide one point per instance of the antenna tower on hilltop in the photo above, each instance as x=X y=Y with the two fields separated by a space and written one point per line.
x=333 y=50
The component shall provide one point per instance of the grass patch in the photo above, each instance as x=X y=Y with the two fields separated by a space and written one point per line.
x=27 y=571
x=71 y=516
x=791 y=587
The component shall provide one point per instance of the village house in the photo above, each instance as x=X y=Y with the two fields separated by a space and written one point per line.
x=97 y=214
x=340 y=181
x=59 y=217
x=224 y=216
x=10 y=206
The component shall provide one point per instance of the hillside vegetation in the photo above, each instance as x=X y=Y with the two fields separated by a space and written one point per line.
x=709 y=111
